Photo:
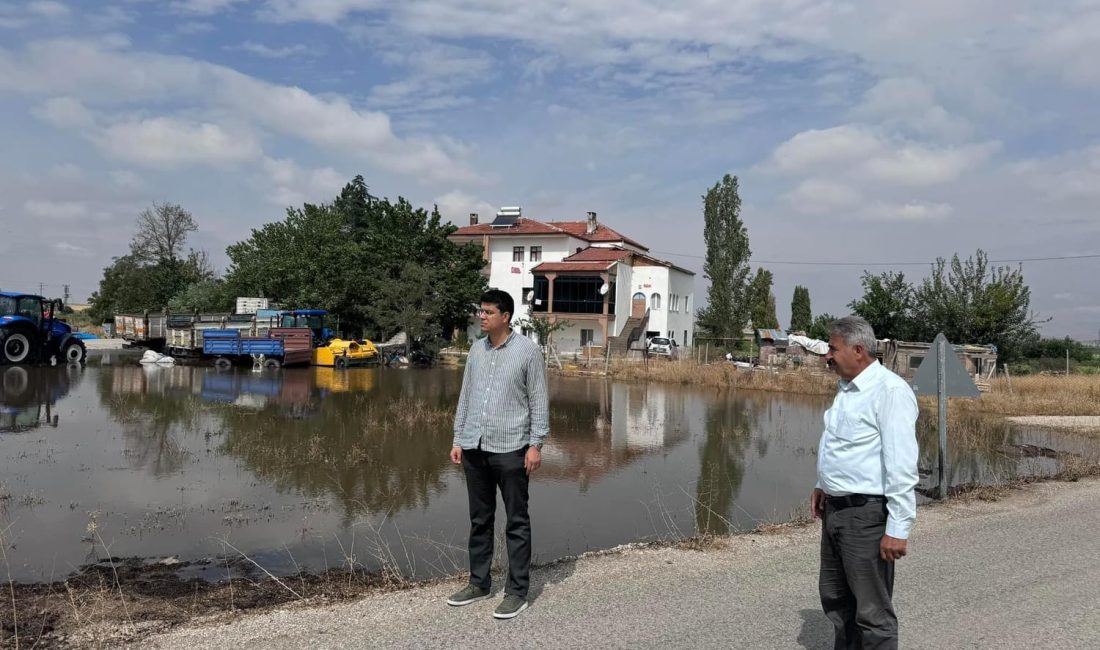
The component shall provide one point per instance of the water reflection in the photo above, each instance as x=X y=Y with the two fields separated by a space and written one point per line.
x=292 y=465
x=28 y=396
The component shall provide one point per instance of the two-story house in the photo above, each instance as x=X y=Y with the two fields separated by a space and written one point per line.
x=606 y=285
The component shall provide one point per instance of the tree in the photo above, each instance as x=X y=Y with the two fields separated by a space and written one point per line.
x=543 y=328
x=972 y=303
x=887 y=304
x=352 y=257
x=761 y=300
x=727 y=261
x=157 y=268
x=819 y=329
x=202 y=296
x=801 y=314
x=161 y=233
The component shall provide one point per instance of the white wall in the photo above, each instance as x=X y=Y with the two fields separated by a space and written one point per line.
x=624 y=289
x=554 y=249
x=673 y=317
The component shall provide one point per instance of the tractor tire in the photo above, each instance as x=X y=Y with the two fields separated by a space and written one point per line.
x=15 y=382
x=221 y=363
x=73 y=352
x=272 y=364
x=16 y=348
x=340 y=363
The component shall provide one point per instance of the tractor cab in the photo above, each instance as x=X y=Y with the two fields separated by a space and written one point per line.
x=314 y=319
x=31 y=332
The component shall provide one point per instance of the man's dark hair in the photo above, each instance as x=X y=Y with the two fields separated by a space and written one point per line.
x=502 y=300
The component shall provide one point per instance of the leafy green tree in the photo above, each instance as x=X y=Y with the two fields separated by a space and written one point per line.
x=801 y=314
x=972 y=303
x=761 y=300
x=888 y=305
x=353 y=256
x=542 y=327
x=202 y=296
x=727 y=262
x=819 y=328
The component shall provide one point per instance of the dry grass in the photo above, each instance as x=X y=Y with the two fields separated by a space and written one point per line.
x=724 y=375
x=1040 y=395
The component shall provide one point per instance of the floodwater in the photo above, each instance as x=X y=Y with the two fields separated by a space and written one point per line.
x=303 y=469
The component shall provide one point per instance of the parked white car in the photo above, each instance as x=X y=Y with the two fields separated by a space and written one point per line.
x=662 y=345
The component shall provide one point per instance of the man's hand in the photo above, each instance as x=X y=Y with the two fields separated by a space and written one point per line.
x=817 y=503
x=456 y=455
x=532 y=460
x=892 y=548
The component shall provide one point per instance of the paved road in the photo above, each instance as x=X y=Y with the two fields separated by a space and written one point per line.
x=1020 y=573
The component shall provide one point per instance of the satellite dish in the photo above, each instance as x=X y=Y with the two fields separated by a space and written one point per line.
x=530 y=296
x=604 y=288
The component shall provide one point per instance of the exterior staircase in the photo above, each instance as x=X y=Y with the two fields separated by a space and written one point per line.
x=619 y=346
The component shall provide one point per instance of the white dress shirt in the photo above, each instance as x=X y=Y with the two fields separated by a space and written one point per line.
x=869 y=445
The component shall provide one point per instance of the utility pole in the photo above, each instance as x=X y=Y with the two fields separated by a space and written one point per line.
x=65 y=293
x=41 y=288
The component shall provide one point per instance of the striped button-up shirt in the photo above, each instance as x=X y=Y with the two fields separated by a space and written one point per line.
x=870 y=444
x=505 y=403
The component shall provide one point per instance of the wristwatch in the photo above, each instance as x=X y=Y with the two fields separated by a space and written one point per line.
x=537 y=445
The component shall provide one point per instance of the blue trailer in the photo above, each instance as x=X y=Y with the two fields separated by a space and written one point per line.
x=283 y=346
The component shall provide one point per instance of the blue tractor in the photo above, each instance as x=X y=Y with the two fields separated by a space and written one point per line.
x=31 y=332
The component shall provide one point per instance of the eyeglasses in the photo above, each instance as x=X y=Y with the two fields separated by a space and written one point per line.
x=486 y=312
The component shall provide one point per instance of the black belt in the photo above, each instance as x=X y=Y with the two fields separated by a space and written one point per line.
x=850 y=500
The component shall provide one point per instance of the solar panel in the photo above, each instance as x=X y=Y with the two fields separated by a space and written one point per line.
x=505 y=220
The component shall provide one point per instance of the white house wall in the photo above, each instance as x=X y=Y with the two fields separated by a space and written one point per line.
x=623 y=292
x=501 y=274
x=667 y=283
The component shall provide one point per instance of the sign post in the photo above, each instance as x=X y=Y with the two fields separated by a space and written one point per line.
x=946 y=376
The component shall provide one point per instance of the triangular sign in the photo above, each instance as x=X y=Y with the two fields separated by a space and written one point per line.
x=959 y=382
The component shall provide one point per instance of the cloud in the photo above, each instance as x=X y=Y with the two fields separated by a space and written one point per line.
x=864 y=153
x=318 y=11
x=904 y=212
x=66 y=249
x=261 y=50
x=204 y=7
x=910 y=104
x=104 y=72
x=290 y=184
x=56 y=210
x=1069 y=176
x=165 y=141
x=816 y=196
x=48 y=9
x=65 y=112
x=455 y=206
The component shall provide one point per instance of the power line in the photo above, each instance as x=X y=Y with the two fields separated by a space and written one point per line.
x=831 y=263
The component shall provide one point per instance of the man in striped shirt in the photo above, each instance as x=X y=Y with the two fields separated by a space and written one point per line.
x=500 y=425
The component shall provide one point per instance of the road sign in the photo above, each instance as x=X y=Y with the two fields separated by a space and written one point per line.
x=958 y=380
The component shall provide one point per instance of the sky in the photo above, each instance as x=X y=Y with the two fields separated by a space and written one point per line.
x=865 y=135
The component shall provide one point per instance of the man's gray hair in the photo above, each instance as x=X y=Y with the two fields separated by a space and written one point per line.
x=855 y=331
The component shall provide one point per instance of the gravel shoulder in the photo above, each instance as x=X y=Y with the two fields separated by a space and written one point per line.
x=1004 y=574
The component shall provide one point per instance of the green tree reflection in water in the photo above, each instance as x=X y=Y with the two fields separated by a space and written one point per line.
x=729 y=426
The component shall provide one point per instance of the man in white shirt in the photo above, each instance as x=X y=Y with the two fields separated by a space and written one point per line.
x=866 y=475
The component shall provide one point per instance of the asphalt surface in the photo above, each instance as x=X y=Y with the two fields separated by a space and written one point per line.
x=1023 y=572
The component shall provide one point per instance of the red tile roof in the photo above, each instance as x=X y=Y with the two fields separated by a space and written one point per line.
x=589 y=267
x=579 y=229
x=525 y=226
x=596 y=254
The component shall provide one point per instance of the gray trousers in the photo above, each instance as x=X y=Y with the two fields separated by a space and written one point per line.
x=856 y=585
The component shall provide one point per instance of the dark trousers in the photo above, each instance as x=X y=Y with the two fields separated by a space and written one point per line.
x=856 y=585
x=485 y=472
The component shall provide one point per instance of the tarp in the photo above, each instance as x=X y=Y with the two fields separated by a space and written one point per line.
x=159 y=359
x=817 y=346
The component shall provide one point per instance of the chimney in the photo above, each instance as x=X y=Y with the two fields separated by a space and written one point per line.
x=592 y=223
x=473 y=218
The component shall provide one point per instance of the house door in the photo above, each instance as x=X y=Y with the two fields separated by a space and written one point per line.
x=637 y=305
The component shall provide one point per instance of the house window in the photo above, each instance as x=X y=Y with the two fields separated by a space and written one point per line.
x=587 y=336
x=536 y=253
x=527 y=291
x=517 y=253
x=655 y=302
